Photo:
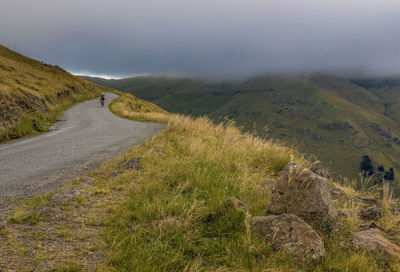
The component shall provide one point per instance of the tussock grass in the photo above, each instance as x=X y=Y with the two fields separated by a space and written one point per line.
x=171 y=219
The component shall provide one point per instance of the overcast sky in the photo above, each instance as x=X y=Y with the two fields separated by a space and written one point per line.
x=215 y=38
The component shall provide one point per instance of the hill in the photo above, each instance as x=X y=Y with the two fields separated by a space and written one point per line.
x=336 y=119
x=174 y=204
x=34 y=94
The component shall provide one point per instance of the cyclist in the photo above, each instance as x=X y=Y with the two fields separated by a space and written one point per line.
x=102 y=98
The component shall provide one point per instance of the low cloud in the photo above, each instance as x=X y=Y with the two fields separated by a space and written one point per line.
x=214 y=38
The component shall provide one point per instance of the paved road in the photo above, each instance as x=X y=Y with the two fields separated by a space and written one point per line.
x=86 y=134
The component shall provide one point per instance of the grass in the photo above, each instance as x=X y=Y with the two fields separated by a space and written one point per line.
x=297 y=110
x=170 y=213
x=173 y=216
x=33 y=95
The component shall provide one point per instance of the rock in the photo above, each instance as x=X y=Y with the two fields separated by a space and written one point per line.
x=343 y=213
x=87 y=179
x=132 y=164
x=370 y=213
x=363 y=200
x=337 y=193
x=65 y=196
x=3 y=225
x=300 y=191
x=373 y=241
x=370 y=225
x=318 y=169
x=235 y=203
x=268 y=184
x=289 y=232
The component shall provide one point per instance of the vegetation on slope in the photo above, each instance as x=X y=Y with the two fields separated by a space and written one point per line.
x=154 y=208
x=34 y=94
x=187 y=173
x=331 y=118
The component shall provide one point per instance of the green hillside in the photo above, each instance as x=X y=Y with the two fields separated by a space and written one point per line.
x=34 y=94
x=336 y=119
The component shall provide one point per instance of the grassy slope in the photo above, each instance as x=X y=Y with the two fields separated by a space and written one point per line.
x=188 y=172
x=297 y=110
x=33 y=94
x=157 y=218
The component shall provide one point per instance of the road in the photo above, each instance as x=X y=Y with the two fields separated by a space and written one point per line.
x=85 y=135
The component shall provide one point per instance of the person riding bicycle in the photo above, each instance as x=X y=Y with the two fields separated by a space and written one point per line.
x=102 y=98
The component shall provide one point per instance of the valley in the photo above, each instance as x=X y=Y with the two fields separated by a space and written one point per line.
x=336 y=120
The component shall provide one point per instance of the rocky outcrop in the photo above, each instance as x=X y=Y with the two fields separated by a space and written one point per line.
x=300 y=191
x=290 y=233
x=373 y=241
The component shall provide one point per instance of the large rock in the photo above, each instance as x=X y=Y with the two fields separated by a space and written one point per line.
x=373 y=241
x=300 y=191
x=289 y=232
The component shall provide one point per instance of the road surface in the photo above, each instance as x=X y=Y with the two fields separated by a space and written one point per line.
x=85 y=135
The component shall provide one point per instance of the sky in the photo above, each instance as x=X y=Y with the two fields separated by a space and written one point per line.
x=206 y=38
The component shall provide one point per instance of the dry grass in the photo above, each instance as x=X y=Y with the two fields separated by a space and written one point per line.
x=155 y=218
x=34 y=94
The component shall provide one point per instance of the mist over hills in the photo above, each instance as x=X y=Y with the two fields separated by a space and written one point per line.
x=334 y=118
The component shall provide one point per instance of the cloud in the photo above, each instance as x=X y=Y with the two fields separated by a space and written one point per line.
x=207 y=37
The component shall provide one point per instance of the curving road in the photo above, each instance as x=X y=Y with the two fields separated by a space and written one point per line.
x=85 y=135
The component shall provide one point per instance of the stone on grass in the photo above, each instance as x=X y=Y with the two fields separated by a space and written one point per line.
x=318 y=169
x=300 y=191
x=337 y=193
x=65 y=196
x=370 y=225
x=343 y=213
x=233 y=202
x=87 y=179
x=268 y=184
x=362 y=200
x=373 y=241
x=370 y=213
x=289 y=232
x=132 y=164
x=3 y=225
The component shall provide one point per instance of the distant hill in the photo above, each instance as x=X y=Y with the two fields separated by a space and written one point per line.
x=336 y=119
x=33 y=94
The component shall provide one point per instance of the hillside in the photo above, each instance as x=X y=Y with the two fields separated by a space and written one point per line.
x=174 y=204
x=34 y=94
x=333 y=118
